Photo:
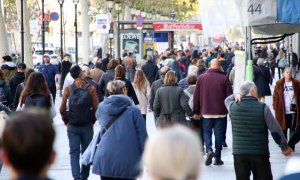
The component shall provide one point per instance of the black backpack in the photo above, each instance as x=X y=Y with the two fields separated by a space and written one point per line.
x=80 y=106
x=37 y=100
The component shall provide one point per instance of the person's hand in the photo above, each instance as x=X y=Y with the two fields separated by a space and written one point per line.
x=287 y=152
x=237 y=97
x=195 y=116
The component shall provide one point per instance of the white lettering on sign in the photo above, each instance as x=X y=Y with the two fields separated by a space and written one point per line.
x=131 y=36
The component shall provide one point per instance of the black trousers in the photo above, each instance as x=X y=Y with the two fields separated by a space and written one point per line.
x=295 y=136
x=145 y=117
x=197 y=125
x=290 y=121
x=280 y=71
x=258 y=165
x=53 y=92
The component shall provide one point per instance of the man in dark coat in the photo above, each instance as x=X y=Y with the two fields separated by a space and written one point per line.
x=157 y=84
x=211 y=90
x=150 y=69
x=262 y=79
x=105 y=62
x=18 y=78
x=65 y=67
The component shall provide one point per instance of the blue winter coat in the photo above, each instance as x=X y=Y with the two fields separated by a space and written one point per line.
x=121 y=147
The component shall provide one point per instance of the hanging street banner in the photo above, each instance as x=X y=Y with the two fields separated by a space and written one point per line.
x=102 y=23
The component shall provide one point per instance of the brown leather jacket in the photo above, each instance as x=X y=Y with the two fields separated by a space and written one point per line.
x=79 y=83
x=278 y=101
x=130 y=62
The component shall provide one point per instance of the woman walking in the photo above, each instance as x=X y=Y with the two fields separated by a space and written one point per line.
x=281 y=62
x=142 y=90
x=120 y=150
x=120 y=74
x=170 y=103
x=286 y=102
x=37 y=94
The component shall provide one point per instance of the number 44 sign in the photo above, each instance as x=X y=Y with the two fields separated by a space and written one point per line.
x=260 y=12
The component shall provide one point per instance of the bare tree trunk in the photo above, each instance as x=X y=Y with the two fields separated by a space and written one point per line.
x=3 y=36
x=27 y=37
x=85 y=24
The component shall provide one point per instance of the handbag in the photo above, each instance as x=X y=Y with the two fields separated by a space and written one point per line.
x=89 y=153
x=293 y=107
x=282 y=63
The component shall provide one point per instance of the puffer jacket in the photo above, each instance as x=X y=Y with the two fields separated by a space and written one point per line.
x=120 y=150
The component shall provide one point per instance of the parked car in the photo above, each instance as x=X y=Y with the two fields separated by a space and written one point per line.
x=38 y=57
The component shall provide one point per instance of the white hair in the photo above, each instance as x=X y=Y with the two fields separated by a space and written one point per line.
x=115 y=87
x=246 y=87
x=173 y=153
x=193 y=70
x=260 y=61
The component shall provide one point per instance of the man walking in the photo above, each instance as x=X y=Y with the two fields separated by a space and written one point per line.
x=64 y=67
x=251 y=121
x=18 y=78
x=87 y=76
x=49 y=71
x=82 y=105
x=130 y=64
x=150 y=69
x=211 y=90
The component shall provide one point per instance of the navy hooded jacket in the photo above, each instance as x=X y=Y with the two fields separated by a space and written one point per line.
x=119 y=152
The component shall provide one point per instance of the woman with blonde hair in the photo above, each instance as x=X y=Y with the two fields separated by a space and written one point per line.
x=142 y=90
x=171 y=103
x=173 y=153
x=281 y=62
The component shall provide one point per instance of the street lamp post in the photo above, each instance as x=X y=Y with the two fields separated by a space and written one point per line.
x=43 y=26
x=61 y=3
x=76 y=31
x=118 y=9
x=110 y=4
x=22 y=30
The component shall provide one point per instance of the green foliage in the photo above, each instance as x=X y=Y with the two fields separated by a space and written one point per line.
x=184 y=9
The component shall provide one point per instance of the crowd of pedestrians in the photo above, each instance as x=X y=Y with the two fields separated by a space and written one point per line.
x=190 y=94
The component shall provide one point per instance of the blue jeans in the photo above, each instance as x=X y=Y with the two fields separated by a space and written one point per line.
x=79 y=139
x=130 y=74
x=217 y=125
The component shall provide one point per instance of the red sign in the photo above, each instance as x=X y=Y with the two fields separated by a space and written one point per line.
x=177 y=26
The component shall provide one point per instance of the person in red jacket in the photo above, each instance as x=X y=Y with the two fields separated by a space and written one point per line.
x=212 y=88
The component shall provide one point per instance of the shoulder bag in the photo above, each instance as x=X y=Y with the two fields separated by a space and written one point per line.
x=89 y=153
